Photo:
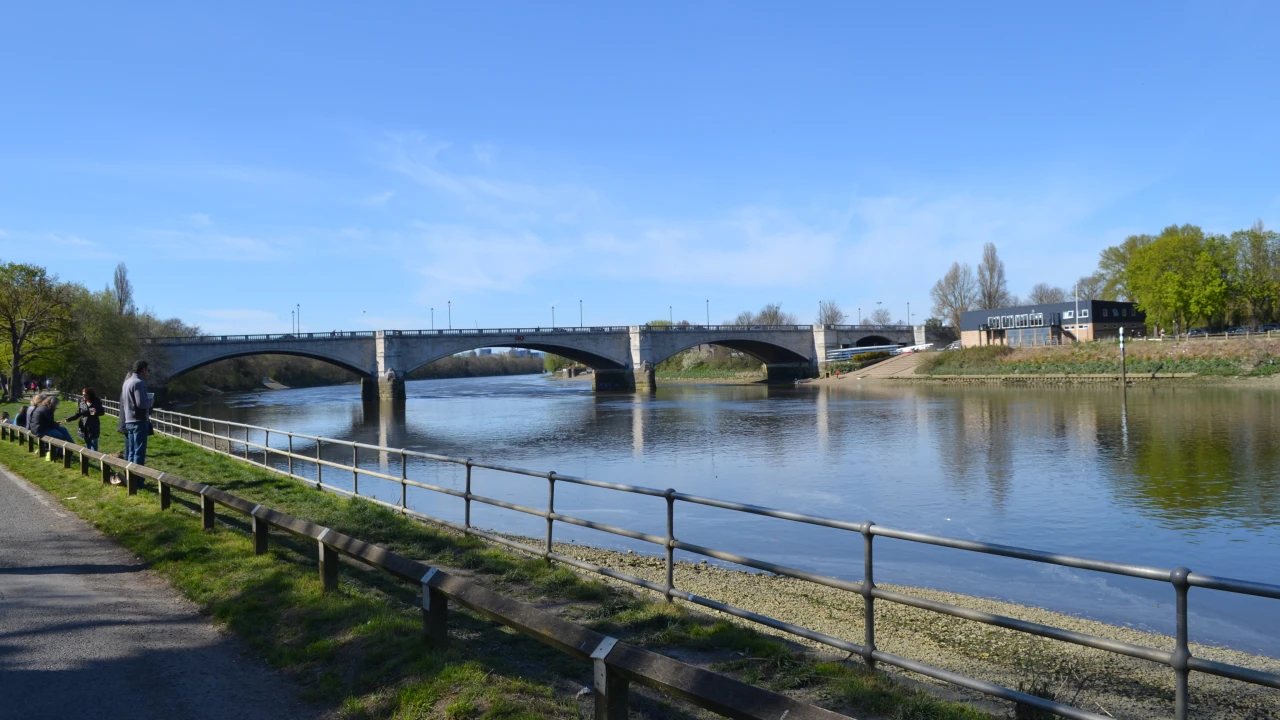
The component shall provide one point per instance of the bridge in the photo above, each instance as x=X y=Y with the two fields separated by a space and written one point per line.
x=622 y=357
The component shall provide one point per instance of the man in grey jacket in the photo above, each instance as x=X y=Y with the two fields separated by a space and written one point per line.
x=135 y=412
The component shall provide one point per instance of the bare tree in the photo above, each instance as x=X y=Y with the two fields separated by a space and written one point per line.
x=993 y=288
x=955 y=293
x=122 y=290
x=1088 y=287
x=772 y=314
x=829 y=313
x=1044 y=294
x=881 y=316
x=33 y=306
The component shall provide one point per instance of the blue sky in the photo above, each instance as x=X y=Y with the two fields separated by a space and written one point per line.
x=372 y=161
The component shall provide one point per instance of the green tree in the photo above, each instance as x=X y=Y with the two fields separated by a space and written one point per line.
x=1113 y=267
x=1257 y=260
x=33 y=310
x=1162 y=275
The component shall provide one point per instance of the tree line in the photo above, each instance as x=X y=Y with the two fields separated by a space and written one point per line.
x=1179 y=277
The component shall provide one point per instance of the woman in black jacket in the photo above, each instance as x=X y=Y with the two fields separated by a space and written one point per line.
x=90 y=416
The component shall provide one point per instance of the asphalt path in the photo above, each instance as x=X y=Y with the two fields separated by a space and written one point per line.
x=87 y=632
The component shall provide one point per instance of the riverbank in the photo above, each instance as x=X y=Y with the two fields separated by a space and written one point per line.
x=358 y=652
x=1092 y=679
x=1253 y=358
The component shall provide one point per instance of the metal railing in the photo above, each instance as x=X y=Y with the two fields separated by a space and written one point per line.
x=287 y=337
x=198 y=430
x=338 y=334
x=870 y=326
x=615 y=664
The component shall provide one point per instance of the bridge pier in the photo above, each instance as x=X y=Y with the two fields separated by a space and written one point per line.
x=376 y=389
x=623 y=380
x=644 y=377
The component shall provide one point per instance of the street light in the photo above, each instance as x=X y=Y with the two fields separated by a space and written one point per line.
x=671 y=318
x=450 y=314
x=579 y=313
x=553 y=316
x=708 y=312
x=433 y=318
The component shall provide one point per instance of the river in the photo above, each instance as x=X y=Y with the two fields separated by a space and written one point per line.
x=1163 y=476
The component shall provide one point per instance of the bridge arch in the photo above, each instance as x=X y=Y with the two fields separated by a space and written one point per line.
x=874 y=340
x=593 y=360
x=768 y=353
x=171 y=372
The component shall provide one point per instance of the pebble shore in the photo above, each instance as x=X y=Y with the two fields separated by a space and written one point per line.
x=1093 y=680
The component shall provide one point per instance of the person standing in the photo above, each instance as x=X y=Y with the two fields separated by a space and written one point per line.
x=90 y=416
x=135 y=413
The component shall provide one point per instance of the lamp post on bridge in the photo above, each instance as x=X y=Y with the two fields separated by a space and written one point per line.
x=553 y=316
x=450 y=314
x=433 y=318
x=708 y=312
x=579 y=313
x=671 y=317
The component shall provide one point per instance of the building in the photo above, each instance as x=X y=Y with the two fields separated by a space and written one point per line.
x=1051 y=323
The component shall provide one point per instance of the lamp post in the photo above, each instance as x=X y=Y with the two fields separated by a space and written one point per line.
x=579 y=313
x=299 y=318
x=908 y=312
x=708 y=312
x=450 y=314
x=553 y=316
x=293 y=324
x=671 y=317
x=433 y=318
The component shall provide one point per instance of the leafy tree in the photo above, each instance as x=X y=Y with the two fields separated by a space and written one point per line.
x=954 y=293
x=1113 y=268
x=1257 y=259
x=122 y=290
x=1044 y=294
x=1161 y=275
x=993 y=289
x=34 y=308
x=829 y=313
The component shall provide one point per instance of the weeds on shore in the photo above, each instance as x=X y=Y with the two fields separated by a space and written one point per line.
x=358 y=653
x=1222 y=358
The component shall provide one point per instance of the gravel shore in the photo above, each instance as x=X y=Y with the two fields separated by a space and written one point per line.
x=1090 y=679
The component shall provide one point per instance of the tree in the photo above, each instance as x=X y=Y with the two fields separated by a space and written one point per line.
x=1044 y=294
x=122 y=290
x=829 y=313
x=33 y=309
x=954 y=293
x=1257 y=260
x=772 y=314
x=1113 y=266
x=993 y=289
x=1162 y=274
x=1088 y=287
x=881 y=316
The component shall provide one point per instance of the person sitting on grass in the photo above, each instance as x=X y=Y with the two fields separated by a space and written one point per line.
x=89 y=414
x=23 y=419
x=44 y=423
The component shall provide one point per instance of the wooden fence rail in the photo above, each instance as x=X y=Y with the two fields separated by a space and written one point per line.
x=615 y=664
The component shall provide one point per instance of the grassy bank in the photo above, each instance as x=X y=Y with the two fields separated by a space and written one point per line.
x=1220 y=358
x=358 y=653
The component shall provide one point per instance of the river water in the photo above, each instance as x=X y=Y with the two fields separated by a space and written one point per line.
x=1160 y=476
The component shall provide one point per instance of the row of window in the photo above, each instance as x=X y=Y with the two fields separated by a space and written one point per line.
x=1120 y=312
x=1070 y=314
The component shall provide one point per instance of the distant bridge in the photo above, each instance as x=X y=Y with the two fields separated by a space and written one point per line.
x=622 y=357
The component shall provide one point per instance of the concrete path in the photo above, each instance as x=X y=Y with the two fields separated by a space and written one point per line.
x=893 y=367
x=86 y=632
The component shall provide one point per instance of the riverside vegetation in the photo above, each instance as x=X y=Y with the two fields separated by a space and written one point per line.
x=1215 y=358
x=358 y=653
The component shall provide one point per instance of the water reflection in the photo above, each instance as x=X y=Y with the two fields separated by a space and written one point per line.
x=1162 y=476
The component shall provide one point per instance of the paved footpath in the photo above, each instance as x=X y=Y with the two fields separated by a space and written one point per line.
x=86 y=632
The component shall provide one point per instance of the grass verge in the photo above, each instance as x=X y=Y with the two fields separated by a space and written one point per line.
x=1219 y=358
x=358 y=653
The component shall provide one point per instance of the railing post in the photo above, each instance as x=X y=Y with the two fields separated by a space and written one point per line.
x=868 y=599
x=1181 y=653
x=106 y=471
x=84 y=463
x=166 y=495
x=206 y=511
x=466 y=500
x=66 y=459
x=551 y=511
x=319 y=467
x=266 y=444
x=435 y=612
x=260 y=530
x=404 y=488
x=246 y=443
x=130 y=480
x=328 y=565
x=290 y=454
x=31 y=443
x=355 y=474
x=671 y=542
x=609 y=689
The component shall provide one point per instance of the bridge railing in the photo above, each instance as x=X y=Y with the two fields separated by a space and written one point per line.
x=882 y=328
x=725 y=328
x=253 y=444
x=615 y=664
x=337 y=334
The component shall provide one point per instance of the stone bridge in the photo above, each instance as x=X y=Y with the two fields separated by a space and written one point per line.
x=622 y=357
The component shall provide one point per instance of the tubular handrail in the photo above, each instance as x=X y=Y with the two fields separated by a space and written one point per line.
x=181 y=426
x=616 y=663
x=454 y=332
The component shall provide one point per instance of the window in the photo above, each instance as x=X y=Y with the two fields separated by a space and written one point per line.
x=1104 y=312
x=1068 y=314
x=1084 y=313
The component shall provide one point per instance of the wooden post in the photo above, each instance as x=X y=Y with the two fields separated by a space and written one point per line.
x=206 y=511
x=435 y=613
x=166 y=496
x=131 y=481
x=66 y=459
x=106 y=472
x=84 y=464
x=328 y=565
x=610 y=690
x=259 y=534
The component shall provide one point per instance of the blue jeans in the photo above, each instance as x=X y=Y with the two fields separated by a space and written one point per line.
x=135 y=442
x=91 y=442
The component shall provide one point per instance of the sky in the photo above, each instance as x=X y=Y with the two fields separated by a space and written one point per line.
x=402 y=165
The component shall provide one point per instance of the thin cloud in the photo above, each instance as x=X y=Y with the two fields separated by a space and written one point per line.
x=68 y=240
x=379 y=198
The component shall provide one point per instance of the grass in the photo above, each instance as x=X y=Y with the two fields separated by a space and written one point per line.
x=359 y=652
x=1220 y=358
